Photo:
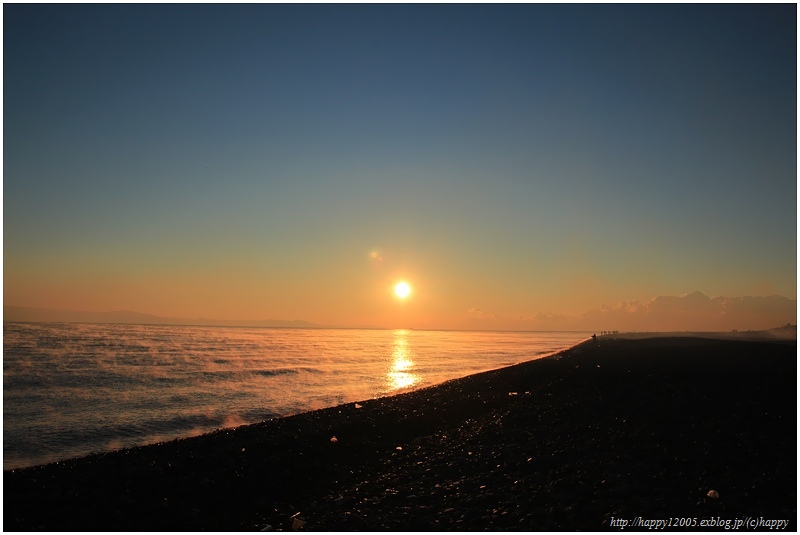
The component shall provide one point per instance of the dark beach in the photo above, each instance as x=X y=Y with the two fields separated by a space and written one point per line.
x=621 y=429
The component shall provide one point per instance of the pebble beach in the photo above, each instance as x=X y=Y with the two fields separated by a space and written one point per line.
x=680 y=427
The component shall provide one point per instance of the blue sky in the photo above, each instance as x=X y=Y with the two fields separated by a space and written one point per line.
x=242 y=161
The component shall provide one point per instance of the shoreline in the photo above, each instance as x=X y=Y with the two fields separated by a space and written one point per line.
x=71 y=398
x=622 y=428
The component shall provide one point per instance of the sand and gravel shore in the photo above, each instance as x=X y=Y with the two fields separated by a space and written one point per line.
x=671 y=427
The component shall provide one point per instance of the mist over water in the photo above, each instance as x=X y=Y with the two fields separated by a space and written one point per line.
x=74 y=389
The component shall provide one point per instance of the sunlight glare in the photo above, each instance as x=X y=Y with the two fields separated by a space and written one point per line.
x=400 y=373
x=402 y=290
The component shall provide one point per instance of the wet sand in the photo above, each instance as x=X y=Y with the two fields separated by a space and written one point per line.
x=621 y=429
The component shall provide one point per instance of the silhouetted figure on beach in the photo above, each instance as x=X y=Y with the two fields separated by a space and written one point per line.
x=594 y=337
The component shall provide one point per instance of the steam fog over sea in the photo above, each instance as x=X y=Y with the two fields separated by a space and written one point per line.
x=74 y=389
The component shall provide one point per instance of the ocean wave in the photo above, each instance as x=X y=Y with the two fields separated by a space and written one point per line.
x=287 y=371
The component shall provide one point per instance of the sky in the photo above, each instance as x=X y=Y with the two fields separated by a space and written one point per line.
x=519 y=166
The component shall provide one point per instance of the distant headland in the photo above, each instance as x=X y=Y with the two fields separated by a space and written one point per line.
x=47 y=315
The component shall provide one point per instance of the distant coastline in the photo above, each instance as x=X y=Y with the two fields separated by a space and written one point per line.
x=46 y=315
x=49 y=315
x=784 y=332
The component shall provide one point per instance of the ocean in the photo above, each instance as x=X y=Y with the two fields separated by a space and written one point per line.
x=73 y=389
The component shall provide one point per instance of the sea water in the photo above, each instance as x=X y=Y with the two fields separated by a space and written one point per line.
x=72 y=389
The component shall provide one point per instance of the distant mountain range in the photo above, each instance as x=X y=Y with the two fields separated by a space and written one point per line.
x=46 y=315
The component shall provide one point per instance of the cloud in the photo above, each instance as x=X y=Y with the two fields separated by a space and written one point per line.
x=552 y=318
x=478 y=314
x=694 y=311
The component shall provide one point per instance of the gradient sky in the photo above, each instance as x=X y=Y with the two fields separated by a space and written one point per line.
x=245 y=162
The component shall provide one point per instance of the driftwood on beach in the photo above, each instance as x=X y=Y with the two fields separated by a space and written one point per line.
x=660 y=428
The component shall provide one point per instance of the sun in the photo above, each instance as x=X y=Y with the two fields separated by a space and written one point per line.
x=402 y=290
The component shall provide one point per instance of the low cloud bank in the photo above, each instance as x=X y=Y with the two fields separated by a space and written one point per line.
x=691 y=312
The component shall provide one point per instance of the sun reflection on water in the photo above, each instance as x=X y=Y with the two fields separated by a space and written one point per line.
x=400 y=372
